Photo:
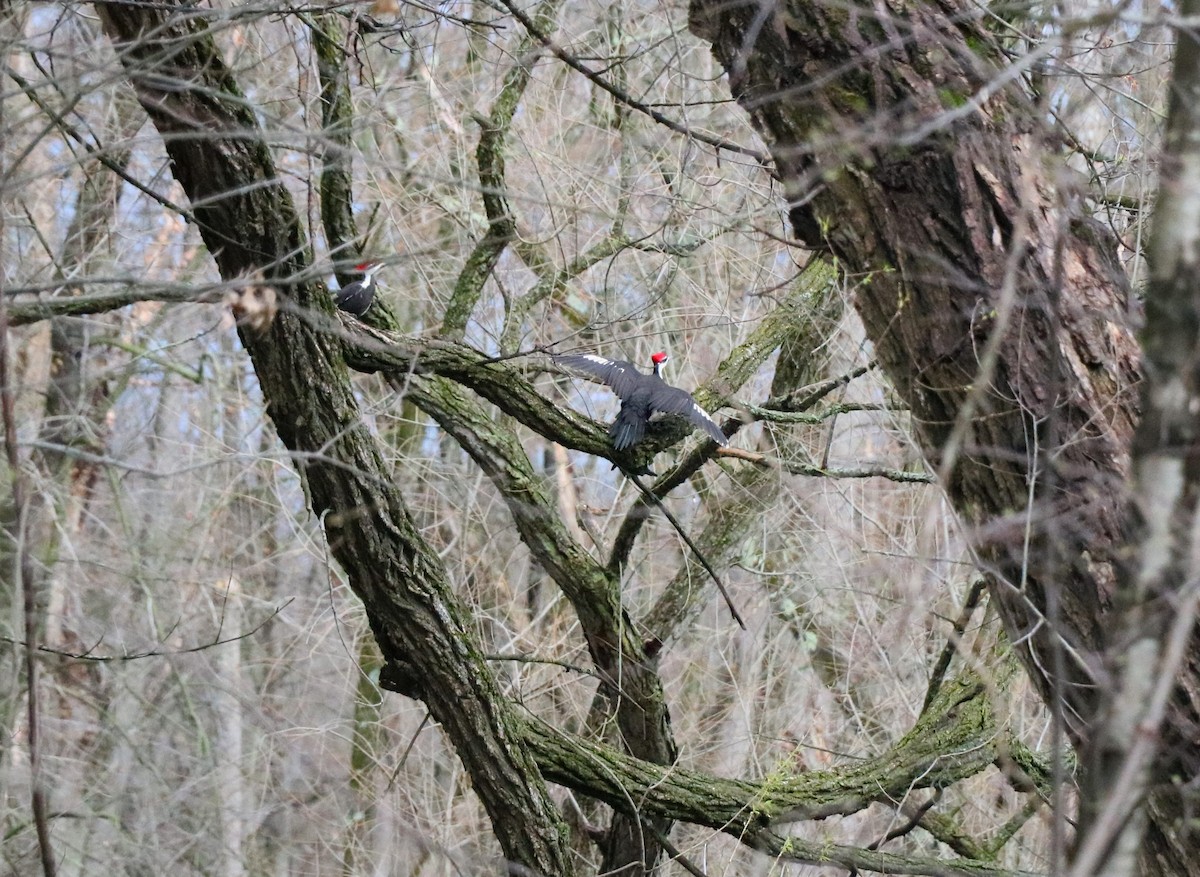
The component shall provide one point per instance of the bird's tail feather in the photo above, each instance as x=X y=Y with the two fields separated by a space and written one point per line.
x=627 y=430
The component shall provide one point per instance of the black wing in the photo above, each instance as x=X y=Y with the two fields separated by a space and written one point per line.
x=622 y=376
x=355 y=298
x=672 y=400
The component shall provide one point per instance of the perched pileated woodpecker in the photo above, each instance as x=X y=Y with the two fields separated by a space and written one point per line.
x=356 y=298
x=641 y=396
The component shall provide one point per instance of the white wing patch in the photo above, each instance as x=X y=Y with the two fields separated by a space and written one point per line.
x=715 y=431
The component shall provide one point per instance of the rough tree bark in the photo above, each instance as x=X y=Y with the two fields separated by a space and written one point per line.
x=957 y=720
x=996 y=306
x=1159 y=642
x=249 y=223
x=982 y=262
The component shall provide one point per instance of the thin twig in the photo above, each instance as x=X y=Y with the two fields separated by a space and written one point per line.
x=913 y=822
x=649 y=494
x=673 y=851
x=803 y=398
x=628 y=99
x=901 y=830
x=960 y=625
x=152 y=653
x=902 y=476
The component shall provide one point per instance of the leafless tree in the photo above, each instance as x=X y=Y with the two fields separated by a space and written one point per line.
x=916 y=264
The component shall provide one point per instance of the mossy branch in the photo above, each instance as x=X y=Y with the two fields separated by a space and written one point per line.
x=953 y=740
x=793 y=849
x=733 y=372
x=493 y=183
x=629 y=675
x=249 y=223
x=496 y=450
x=501 y=383
x=24 y=312
x=329 y=36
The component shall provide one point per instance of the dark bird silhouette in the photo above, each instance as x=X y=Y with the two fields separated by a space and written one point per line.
x=641 y=395
x=356 y=298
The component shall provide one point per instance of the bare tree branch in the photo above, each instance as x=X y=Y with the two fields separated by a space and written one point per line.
x=228 y=173
x=949 y=742
x=574 y=63
x=490 y=158
x=627 y=669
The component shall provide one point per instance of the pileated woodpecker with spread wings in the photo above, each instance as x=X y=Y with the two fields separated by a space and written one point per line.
x=641 y=396
x=356 y=298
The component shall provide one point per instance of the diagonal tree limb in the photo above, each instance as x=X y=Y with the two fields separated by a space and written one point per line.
x=500 y=383
x=220 y=158
x=628 y=672
x=330 y=36
x=536 y=30
x=955 y=739
x=495 y=448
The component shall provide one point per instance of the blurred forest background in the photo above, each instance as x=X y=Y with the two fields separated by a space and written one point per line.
x=208 y=699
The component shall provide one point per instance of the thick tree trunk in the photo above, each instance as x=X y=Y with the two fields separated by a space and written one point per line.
x=996 y=306
x=250 y=226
